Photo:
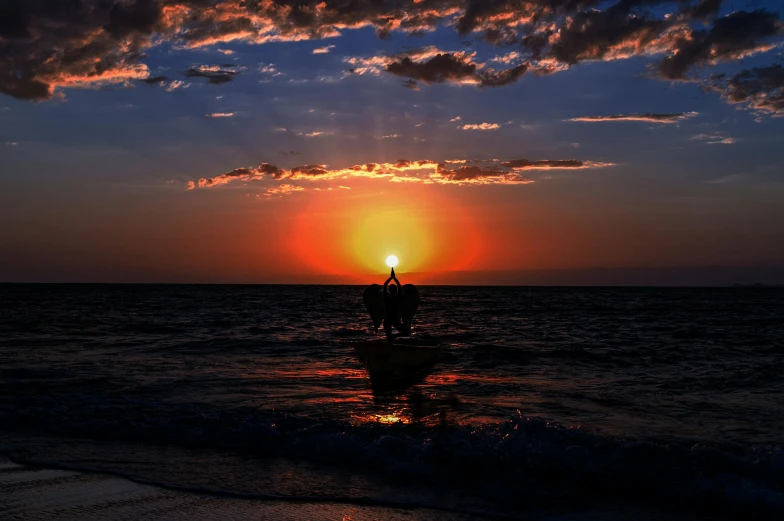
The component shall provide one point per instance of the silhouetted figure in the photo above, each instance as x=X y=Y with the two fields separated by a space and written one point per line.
x=392 y=307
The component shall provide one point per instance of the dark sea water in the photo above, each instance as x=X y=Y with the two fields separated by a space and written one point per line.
x=544 y=400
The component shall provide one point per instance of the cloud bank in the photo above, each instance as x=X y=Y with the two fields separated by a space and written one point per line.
x=404 y=170
x=49 y=46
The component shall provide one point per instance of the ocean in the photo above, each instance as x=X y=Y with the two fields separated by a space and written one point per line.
x=545 y=402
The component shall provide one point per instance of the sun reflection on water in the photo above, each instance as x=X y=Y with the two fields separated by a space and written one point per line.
x=386 y=418
x=390 y=418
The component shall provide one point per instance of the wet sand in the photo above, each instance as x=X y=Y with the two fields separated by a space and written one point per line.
x=37 y=494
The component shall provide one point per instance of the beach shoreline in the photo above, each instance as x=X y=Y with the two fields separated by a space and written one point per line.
x=36 y=492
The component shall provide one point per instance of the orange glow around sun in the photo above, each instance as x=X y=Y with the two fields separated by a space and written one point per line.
x=378 y=233
x=356 y=233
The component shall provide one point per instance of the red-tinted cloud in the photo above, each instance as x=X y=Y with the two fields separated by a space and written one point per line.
x=405 y=170
x=241 y=174
x=760 y=88
x=481 y=126
x=47 y=46
x=430 y=65
x=647 y=118
x=453 y=67
x=731 y=37
x=478 y=175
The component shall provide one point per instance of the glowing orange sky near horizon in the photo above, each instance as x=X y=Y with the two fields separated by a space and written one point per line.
x=427 y=231
x=343 y=236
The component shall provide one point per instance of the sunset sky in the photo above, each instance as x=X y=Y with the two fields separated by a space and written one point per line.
x=304 y=141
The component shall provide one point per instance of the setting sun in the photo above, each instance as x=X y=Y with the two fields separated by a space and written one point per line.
x=351 y=234
x=392 y=261
x=404 y=229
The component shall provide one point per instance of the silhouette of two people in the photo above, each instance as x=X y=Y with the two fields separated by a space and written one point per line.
x=393 y=305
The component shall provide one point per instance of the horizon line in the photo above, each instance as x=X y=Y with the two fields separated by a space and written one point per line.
x=671 y=276
x=308 y=284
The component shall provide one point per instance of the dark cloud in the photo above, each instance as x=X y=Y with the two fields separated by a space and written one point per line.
x=504 y=77
x=140 y=16
x=525 y=164
x=703 y=10
x=48 y=45
x=406 y=164
x=215 y=74
x=155 y=80
x=454 y=67
x=268 y=169
x=647 y=118
x=25 y=88
x=240 y=172
x=237 y=173
x=558 y=34
x=484 y=15
x=759 y=88
x=306 y=171
x=731 y=37
x=458 y=67
x=601 y=35
x=45 y=45
x=244 y=173
x=411 y=84
x=466 y=173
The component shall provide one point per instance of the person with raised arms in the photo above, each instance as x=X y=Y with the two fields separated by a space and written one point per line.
x=392 y=308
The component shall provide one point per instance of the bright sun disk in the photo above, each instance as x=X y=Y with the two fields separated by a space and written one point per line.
x=391 y=261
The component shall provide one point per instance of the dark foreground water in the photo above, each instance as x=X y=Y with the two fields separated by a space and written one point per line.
x=545 y=400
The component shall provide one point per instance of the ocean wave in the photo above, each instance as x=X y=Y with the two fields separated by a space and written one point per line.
x=522 y=460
